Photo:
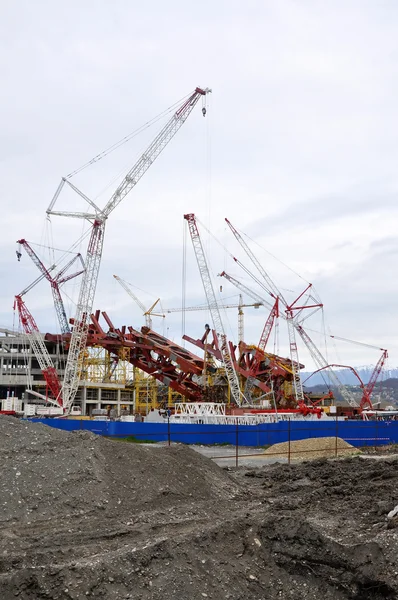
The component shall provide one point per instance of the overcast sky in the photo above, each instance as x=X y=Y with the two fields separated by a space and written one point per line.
x=299 y=149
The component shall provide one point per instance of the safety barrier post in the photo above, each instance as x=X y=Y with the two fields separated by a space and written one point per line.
x=168 y=431
x=237 y=444
x=377 y=434
x=288 y=438
x=336 y=437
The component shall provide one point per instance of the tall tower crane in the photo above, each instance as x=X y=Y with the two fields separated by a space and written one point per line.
x=55 y=282
x=146 y=312
x=233 y=380
x=98 y=218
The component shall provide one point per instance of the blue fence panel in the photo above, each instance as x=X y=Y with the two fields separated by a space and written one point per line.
x=357 y=433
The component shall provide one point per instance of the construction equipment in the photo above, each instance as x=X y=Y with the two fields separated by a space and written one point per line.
x=36 y=340
x=312 y=348
x=55 y=282
x=206 y=307
x=29 y=324
x=259 y=354
x=368 y=390
x=98 y=218
x=221 y=338
x=293 y=323
x=147 y=313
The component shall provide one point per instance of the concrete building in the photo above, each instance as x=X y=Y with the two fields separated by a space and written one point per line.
x=100 y=387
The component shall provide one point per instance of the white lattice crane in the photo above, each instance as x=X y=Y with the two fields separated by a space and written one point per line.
x=98 y=218
x=232 y=377
x=146 y=312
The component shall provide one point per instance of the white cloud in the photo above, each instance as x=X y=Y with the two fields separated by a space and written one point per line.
x=298 y=147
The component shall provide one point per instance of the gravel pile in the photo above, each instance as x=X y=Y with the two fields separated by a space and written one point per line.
x=49 y=473
x=312 y=448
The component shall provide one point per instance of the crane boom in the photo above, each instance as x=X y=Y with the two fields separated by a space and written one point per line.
x=55 y=282
x=214 y=309
x=125 y=286
x=259 y=354
x=205 y=307
x=40 y=350
x=367 y=392
x=275 y=292
x=94 y=252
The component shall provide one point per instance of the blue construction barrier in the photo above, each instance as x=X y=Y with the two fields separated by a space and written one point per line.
x=357 y=433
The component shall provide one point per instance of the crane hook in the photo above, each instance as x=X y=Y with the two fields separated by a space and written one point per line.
x=204 y=111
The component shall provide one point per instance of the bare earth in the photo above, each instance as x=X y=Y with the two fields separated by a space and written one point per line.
x=86 y=517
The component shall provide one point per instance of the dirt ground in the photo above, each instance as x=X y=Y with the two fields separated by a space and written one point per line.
x=86 y=517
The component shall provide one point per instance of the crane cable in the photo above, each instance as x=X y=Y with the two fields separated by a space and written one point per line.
x=127 y=138
x=184 y=279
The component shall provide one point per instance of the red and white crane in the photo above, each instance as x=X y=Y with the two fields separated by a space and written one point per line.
x=55 y=282
x=38 y=346
x=227 y=361
x=98 y=218
x=259 y=354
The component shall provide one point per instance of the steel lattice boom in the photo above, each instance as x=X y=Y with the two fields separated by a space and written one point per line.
x=40 y=350
x=89 y=283
x=55 y=283
x=214 y=309
x=259 y=355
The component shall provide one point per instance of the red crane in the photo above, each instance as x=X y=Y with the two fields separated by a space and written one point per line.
x=38 y=346
x=259 y=355
x=55 y=282
x=368 y=390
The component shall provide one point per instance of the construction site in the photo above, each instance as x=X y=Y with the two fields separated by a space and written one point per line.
x=87 y=516
x=91 y=364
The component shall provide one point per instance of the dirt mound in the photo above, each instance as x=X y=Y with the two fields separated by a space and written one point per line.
x=46 y=472
x=311 y=448
x=112 y=520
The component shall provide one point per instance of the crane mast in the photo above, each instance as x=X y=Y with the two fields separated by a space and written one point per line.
x=94 y=252
x=214 y=309
x=241 y=320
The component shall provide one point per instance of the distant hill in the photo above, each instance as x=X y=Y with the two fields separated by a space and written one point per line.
x=347 y=377
x=387 y=392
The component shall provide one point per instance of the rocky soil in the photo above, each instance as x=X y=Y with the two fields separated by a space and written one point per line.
x=85 y=517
